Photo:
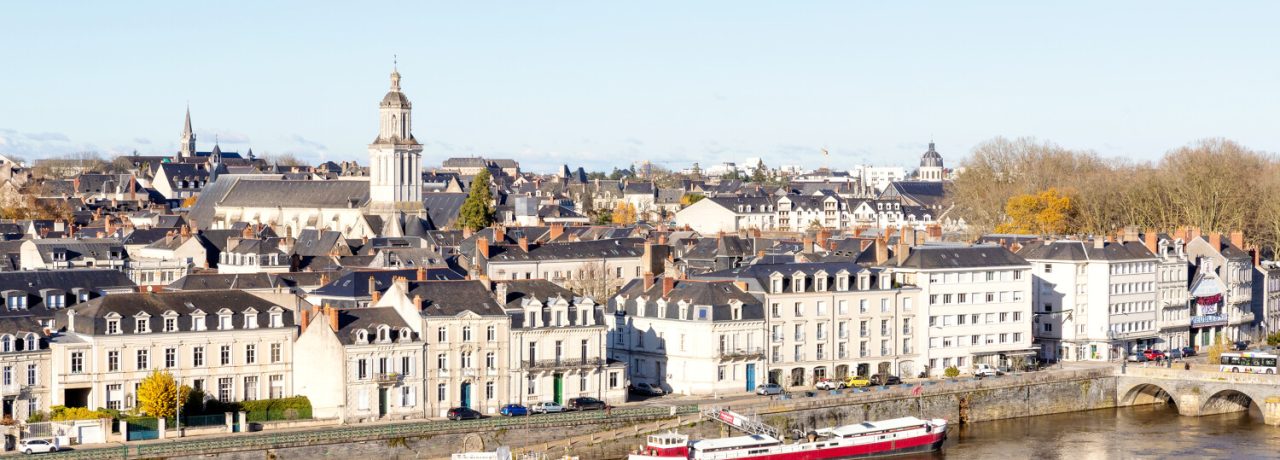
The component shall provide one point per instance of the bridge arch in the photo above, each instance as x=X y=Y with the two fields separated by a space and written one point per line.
x=1228 y=400
x=1147 y=393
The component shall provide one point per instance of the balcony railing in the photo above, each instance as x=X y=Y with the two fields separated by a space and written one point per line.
x=799 y=357
x=843 y=355
x=779 y=338
x=562 y=363
x=742 y=353
x=844 y=334
x=388 y=378
x=821 y=356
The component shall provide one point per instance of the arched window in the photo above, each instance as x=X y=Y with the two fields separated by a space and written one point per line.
x=384 y=334
x=31 y=342
x=6 y=343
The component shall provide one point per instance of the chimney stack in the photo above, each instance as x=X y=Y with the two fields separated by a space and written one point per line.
x=882 y=251
x=482 y=247
x=373 y=288
x=333 y=319
x=1130 y=233
x=1195 y=232
x=648 y=280
x=668 y=283
x=1215 y=241
x=499 y=234
x=306 y=317
x=1237 y=239
x=823 y=236
x=417 y=303
x=524 y=243
x=903 y=250
x=422 y=274
x=1180 y=233
x=806 y=245
x=1099 y=242
x=1149 y=239
x=557 y=229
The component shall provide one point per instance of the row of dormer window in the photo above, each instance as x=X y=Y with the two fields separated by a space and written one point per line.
x=226 y=321
x=821 y=282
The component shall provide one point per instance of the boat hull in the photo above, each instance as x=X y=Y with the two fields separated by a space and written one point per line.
x=921 y=444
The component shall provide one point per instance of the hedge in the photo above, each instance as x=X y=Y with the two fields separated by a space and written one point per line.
x=262 y=410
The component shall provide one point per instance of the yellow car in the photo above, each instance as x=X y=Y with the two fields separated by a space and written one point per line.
x=856 y=382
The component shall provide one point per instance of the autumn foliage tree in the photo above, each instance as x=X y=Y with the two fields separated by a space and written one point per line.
x=1046 y=213
x=158 y=394
x=624 y=213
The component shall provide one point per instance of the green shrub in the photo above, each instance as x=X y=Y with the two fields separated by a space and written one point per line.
x=295 y=408
x=951 y=372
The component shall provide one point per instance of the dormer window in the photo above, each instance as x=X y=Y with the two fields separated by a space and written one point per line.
x=6 y=343
x=277 y=319
x=113 y=326
x=224 y=320
x=362 y=336
x=32 y=342
x=171 y=324
x=251 y=319
x=407 y=335
x=384 y=334
x=797 y=282
x=776 y=283
x=141 y=326
x=704 y=313
x=198 y=322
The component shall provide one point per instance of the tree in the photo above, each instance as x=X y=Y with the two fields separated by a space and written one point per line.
x=476 y=212
x=604 y=217
x=1046 y=213
x=158 y=394
x=759 y=176
x=1215 y=351
x=624 y=213
x=689 y=199
x=593 y=280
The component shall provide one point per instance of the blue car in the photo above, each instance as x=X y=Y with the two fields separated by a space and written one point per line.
x=514 y=410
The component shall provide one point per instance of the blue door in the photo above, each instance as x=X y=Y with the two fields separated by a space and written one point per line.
x=466 y=394
x=751 y=376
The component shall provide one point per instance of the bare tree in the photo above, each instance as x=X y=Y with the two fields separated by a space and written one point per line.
x=594 y=280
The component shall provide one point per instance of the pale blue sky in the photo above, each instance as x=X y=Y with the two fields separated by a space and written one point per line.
x=605 y=83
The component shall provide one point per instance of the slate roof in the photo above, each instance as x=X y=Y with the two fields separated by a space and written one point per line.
x=351 y=320
x=925 y=193
x=298 y=194
x=731 y=203
x=443 y=207
x=451 y=298
x=80 y=249
x=759 y=275
x=716 y=294
x=957 y=257
x=355 y=284
x=91 y=316
x=93 y=280
x=618 y=248
x=1084 y=251
x=545 y=292
x=148 y=235
x=312 y=242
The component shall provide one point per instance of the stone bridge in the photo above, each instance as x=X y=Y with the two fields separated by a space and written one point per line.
x=1198 y=392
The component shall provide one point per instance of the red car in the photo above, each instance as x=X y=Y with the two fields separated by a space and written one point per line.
x=1154 y=355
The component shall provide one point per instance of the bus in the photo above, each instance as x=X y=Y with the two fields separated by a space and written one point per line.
x=1249 y=362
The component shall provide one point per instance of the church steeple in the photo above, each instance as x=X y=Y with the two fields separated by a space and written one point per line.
x=395 y=158
x=188 y=149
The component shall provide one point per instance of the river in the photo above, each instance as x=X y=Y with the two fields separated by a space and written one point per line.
x=1155 y=432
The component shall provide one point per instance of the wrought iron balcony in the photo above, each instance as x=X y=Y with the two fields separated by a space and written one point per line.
x=388 y=378
x=742 y=353
x=562 y=363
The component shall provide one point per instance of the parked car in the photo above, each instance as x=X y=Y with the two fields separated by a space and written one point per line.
x=1188 y=351
x=985 y=370
x=885 y=379
x=769 y=389
x=1153 y=355
x=513 y=410
x=37 y=446
x=1138 y=358
x=585 y=403
x=463 y=413
x=856 y=381
x=1175 y=354
x=1241 y=346
x=828 y=384
x=647 y=389
x=545 y=407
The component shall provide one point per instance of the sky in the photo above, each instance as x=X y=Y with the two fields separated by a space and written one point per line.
x=603 y=84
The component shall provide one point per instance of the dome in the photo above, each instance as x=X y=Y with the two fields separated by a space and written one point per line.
x=931 y=158
x=395 y=99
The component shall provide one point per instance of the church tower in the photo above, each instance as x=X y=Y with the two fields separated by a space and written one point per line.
x=188 y=139
x=395 y=158
x=931 y=169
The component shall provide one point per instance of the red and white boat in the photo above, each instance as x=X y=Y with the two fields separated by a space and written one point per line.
x=897 y=436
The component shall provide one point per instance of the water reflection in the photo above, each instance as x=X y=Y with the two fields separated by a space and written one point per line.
x=1131 y=432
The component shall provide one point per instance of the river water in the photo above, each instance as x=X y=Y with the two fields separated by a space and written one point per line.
x=1155 y=432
